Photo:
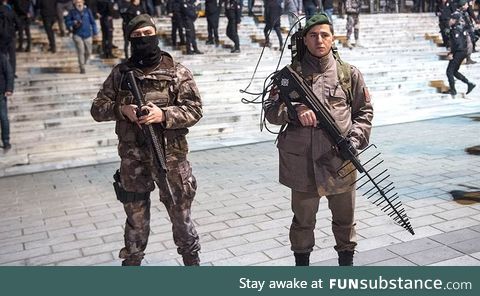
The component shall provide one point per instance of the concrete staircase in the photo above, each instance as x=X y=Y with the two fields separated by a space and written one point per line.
x=51 y=127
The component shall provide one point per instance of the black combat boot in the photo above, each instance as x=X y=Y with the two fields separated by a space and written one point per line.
x=302 y=259
x=131 y=262
x=191 y=259
x=471 y=86
x=345 y=258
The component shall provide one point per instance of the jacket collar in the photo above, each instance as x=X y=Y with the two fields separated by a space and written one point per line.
x=312 y=64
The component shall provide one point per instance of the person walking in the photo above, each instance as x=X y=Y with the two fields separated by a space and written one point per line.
x=81 y=23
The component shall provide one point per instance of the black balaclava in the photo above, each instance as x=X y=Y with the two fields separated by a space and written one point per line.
x=145 y=50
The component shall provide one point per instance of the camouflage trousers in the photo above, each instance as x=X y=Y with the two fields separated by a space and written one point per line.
x=137 y=227
x=353 y=24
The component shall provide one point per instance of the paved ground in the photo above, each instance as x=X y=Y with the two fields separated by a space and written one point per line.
x=71 y=217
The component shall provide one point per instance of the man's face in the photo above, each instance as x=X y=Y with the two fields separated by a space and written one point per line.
x=136 y=2
x=319 y=40
x=142 y=32
x=78 y=4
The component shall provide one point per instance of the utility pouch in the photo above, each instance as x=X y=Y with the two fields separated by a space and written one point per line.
x=125 y=196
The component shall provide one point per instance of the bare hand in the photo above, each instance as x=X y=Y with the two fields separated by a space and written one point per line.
x=130 y=111
x=155 y=114
x=8 y=93
x=306 y=116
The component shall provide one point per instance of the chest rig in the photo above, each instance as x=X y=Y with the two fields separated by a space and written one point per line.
x=159 y=86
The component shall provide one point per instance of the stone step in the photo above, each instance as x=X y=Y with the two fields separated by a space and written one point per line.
x=49 y=108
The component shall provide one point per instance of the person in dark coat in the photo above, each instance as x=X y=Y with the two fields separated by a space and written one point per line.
x=233 y=11
x=92 y=5
x=189 y=14
x=459 y=39
x=311 y=7
x=444 y=11
x=63 y=7
x=174 y=8
x=48 y=11
x=272 y=20
x=128 y=12
x=213 y=14
x=105 y=11
x=6 y=90
x=22 y=8
x=11 y=25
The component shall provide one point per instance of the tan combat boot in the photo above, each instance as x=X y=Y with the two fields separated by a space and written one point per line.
x=349 y=45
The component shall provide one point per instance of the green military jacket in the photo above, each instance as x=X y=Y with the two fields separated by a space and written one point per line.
x=309 y=160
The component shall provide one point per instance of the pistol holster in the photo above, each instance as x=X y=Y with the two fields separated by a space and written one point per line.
x=125 y=196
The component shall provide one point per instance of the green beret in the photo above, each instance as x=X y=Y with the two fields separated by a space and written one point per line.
x=140 y=21
x=461 y=2
x=318 y=19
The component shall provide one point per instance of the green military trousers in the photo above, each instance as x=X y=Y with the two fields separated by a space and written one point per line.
x=305 y=208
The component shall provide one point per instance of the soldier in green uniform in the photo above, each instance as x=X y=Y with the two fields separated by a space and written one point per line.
x=309 y=160
x=173 y=104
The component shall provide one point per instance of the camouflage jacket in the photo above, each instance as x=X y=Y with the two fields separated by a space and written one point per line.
x=353 y=6
x=171 y=87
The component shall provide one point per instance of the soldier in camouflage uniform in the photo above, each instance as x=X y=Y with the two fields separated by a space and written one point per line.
x=352 y=9
x=174 y=104
x=309 y=160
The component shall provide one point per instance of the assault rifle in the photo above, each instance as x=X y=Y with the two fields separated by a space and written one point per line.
x=293 y=88
x=157 y=145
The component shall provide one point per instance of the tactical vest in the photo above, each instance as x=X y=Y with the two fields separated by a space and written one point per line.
x=159 y=86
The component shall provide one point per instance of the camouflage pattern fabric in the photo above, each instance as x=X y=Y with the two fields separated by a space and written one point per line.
x=353 y=24
x=352 y=8
x=171 y=87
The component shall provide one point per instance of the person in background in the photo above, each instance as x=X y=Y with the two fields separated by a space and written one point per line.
x=81 y=23
x=63 y=7
x=293 y=7
x=128 y=12
x=23 y=10
x=6 y=91
x=459 y=39
x=212 y=12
